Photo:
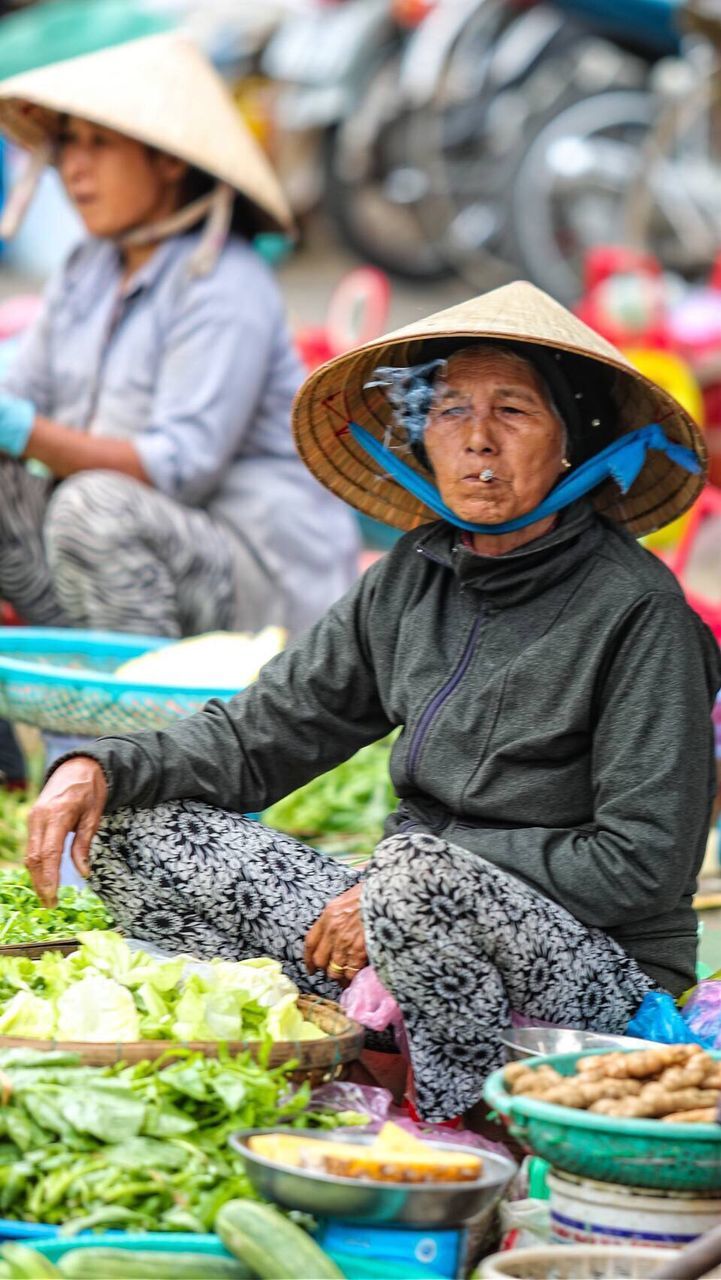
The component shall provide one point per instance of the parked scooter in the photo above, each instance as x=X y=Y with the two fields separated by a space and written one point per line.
x=508 y=182
x=342 y=110
x=579 y=162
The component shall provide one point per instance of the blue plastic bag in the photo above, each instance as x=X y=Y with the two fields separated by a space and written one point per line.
x=658 y=1019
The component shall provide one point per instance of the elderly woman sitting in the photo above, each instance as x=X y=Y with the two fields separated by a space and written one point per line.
x=553 y=690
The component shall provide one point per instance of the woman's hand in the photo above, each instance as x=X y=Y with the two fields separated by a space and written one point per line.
x=336 y=943
x=73 y=799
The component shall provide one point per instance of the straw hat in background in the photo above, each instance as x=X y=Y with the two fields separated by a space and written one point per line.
x=338 y=393
x=159 y=89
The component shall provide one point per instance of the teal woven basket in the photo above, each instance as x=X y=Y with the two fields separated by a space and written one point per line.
x=637 y=1153
x=63 y=682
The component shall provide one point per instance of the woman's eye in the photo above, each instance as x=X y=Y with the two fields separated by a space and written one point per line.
x=456 y=411
x=512 y=409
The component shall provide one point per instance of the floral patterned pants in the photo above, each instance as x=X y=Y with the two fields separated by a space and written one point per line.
x=457 y=942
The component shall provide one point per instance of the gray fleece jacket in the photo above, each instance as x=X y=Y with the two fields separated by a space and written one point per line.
x=555 y=711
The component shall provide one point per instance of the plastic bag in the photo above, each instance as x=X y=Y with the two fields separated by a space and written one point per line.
x=702 y=1014
x=658 y=1019
x=525 y=1224
x=344 y=1095
x=367 y=1000
x=377 y=1104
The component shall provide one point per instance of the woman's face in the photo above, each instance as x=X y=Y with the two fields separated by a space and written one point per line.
x=492 y=417
x=114 y=182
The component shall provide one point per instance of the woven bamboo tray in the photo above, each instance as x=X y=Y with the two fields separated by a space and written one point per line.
x=318 y=1060
x=34 y=950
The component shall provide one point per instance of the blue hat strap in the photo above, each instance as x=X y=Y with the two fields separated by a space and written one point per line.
x=621 y=461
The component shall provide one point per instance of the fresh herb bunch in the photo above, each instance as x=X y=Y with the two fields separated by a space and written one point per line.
x=23 y=919
x=141 y=1147
x=344 y=809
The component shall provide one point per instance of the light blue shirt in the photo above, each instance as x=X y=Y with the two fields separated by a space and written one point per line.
x=200 y=374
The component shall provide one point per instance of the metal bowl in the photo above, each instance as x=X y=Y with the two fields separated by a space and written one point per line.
x=539 y=1042
x=439 y=1204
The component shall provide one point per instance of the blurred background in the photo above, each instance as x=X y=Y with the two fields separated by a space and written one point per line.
x=445 y=147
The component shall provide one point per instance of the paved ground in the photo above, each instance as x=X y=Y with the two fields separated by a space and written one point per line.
x=308 y=278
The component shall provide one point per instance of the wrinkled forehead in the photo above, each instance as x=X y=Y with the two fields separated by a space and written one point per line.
x=479 y=364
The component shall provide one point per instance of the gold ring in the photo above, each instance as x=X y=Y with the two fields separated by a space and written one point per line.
x=351 y=968
x=339 y=968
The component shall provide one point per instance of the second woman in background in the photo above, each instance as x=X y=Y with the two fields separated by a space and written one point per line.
x=157 y=385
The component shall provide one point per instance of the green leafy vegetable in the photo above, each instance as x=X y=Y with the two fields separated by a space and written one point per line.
x=144 y=1146
x=343 y=810
x=96 y=1008
x=105 y=991
x=23 y=919
x=14 y=810
x=27 y=1015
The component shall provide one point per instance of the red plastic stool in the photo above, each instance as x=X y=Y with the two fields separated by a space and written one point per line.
x=357 y=312
x=709 y=504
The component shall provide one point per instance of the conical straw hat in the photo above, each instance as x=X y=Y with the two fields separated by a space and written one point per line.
x=159 y=89
x=336 y=394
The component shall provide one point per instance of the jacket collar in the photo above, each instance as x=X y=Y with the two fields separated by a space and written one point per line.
x=522 y=574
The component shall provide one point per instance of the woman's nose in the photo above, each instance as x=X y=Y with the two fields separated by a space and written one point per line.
x=481 y=436
x=74 y=161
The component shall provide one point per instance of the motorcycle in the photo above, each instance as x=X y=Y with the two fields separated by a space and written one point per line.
x=523 y=173
x=340 y=69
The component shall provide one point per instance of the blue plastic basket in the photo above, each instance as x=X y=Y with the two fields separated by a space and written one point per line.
x=134 y=1241
x=12 y=1229
x=63 y=681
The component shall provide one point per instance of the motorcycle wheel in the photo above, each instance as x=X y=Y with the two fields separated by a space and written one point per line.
x=569 y=190
x=469 y=135
x=673 y=206
x=373 y=176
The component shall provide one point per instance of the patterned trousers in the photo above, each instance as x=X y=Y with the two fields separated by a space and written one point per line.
x=457 y=942
x=101 y=550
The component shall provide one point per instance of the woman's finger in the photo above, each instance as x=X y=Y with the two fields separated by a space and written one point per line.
x=46 y=840
x=73 y=799
x=309 y=946
x=323 y=952
x=87 y=827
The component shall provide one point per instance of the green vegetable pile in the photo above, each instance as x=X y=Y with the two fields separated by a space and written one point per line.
x=106 y=992
x=141 y=1147
x=23 y=919
x=14 y=810
x=344 y=810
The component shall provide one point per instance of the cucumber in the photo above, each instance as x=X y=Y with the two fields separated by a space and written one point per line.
x=272 y=1246
x=125 y=1264
x=25 y=1264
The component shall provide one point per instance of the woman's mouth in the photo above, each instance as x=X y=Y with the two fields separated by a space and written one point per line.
x=485 y=477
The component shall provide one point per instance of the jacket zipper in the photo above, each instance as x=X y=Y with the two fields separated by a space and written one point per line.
x=442 y=696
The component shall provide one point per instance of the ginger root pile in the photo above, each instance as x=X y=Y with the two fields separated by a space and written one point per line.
x=676 y=1083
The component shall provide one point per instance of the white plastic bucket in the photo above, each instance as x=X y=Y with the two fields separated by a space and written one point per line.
x=585 y=1212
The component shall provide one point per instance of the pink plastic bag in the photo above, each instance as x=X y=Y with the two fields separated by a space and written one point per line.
x=367 y=1000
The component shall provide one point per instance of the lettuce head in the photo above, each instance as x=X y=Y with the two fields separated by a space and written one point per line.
x=97 y=1009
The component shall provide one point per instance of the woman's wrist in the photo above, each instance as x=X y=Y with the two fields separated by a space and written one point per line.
x=66 y=451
